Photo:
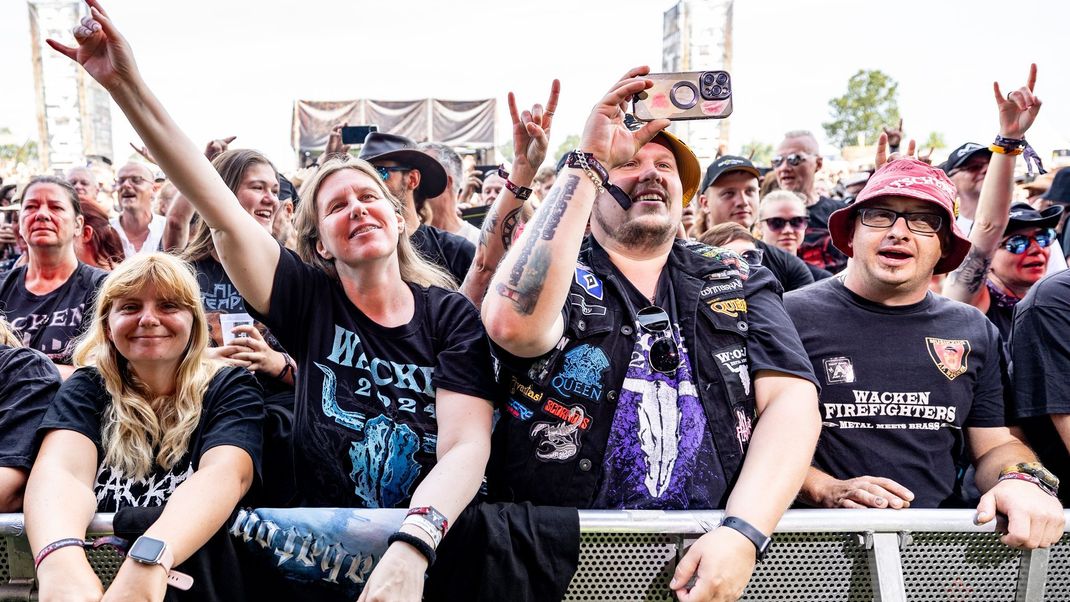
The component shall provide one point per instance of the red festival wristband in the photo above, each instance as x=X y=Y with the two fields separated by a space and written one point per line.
x=520 y=192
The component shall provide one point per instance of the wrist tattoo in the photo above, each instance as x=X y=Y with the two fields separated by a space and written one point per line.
x=509 y=224
x=971 y=274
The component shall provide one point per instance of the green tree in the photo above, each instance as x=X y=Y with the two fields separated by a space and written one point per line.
x=869 y=104
x=17 y=153
x=935 y=140
x=759 y=152
x=571 y=143
x=505 y=151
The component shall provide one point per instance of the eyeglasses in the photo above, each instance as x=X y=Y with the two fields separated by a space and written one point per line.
x=793 y=159
x=777 y=223
x=664 y=354
x=384 y=172
x=918 y=223
x=1019 y=243
x=753 y=256
x=134 y=181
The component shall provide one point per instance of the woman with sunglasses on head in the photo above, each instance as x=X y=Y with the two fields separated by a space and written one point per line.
x=147 y=421
x=1010 y=243
x=392 y=402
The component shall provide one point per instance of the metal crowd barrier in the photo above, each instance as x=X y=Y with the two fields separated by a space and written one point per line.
x=822 y=555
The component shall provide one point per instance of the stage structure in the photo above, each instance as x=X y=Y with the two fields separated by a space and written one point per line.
x=73 y=110
x=462 y=124
x=697 y=36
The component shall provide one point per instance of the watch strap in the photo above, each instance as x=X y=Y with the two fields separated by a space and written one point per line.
x=760 y=540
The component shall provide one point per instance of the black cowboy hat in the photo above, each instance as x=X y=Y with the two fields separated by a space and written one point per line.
x=399 y=149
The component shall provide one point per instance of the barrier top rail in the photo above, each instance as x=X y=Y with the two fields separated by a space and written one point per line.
x=696 y=521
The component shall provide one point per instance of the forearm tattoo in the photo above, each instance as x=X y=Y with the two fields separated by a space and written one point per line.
x=489 y=224
x=528 y=276
x=509 y=224
x=973 y=271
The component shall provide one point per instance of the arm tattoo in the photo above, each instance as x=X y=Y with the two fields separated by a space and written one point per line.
x=489 y=223
x=971 y=274
x=509 y=225
x=526 y=282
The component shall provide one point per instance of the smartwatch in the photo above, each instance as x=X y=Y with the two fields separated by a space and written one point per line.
x=149 y=550
x=760 y=540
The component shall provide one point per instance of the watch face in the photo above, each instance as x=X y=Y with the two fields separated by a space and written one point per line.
x=147 y=550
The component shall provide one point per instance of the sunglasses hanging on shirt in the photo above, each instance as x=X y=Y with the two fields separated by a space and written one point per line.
x=664 y=353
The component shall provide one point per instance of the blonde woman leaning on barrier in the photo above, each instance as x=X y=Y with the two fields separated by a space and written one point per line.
x=391 y=407
x=147 y=420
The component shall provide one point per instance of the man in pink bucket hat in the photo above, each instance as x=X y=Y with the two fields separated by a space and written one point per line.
x=912 y=381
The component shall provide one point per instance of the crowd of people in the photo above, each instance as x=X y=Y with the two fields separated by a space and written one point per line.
x=627 y=330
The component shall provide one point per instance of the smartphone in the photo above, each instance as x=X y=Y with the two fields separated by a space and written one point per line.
x=683 y=96
x=355 y=134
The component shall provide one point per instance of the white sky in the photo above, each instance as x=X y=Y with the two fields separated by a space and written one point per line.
x=234 y=67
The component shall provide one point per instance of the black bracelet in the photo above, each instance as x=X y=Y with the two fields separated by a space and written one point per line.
x=1010 y=144
x=288 y=367
x=421 y=546
x=760 y=540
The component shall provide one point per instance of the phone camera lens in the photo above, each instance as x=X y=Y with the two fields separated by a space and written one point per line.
x=722 y=78
x=716 y=91
x=707 y=79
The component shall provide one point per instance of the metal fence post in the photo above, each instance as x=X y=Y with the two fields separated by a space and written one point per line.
x=1032 y=575
x=886 y=566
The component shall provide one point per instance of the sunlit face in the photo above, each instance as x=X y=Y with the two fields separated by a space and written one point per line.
x=1021 y=271
x=47 y=217
x=969 y=176
x=895 y=259
x=258 y=193
x=798 y=178
x=652 y=180
x=84 y=183
x=783 y=223
x=543 y=188
x=148 y=329
x=357 y=222
x=733 y=197
x=134 y=185
x=492 y=186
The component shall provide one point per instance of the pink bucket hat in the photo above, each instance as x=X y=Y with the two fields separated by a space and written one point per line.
x=914 y=179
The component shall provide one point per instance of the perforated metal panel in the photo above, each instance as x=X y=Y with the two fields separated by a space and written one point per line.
x=960 y=567
x=624 y=566
x=5 y=561
x=825 y=567
x=105 y=563
x=1058 y=586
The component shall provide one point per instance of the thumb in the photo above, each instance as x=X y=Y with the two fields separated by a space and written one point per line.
x=229 y=139
x=685 y=569
x=986 y=509
x=648 y=131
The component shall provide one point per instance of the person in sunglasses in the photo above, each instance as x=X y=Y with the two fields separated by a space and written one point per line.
x=729 y=194
x=636 y=375
x=782 y=219
x=911 y=379
x=796 y=164
x=413 y=176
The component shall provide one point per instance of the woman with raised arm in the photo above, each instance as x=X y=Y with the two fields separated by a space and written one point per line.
x=392 y=402
x=146 y=421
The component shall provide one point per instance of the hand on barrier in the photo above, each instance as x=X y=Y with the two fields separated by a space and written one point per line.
x=605 y=134
x=1035 y=519
x=398 y=576
x=137 y=582
x=864 y=492
x=720 y=564
x=66 y=575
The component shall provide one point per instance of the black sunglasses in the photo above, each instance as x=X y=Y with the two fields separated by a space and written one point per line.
x=664 y=354
x=777 y=223
x=793 y=159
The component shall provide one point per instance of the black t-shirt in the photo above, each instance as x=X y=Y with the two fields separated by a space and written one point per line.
x=232 y=413
x=817 y=248
x=219 y=296
x=899 y=385
x=50 y=323
x=28 y=382
x=1000 y=309
x=447 y=250
x=788 y=269
x=365 y=428
x=1040 y=369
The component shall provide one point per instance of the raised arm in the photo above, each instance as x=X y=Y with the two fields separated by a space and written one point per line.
x=247 y=251
x=1017 y=111
x=531 y=136
x=522 y=310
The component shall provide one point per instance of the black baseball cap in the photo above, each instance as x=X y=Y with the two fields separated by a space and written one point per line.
x=1022 y=215
x=287 y=191
x=1059 y=191
x=724 y=164
x=961 y=154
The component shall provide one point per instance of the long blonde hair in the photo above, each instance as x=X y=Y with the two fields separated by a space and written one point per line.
x=8 y=336
x=414 y=268
x=139 y=428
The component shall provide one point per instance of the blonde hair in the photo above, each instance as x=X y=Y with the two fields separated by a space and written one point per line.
x=140 y=428
x=414 y=268
x=8 y=336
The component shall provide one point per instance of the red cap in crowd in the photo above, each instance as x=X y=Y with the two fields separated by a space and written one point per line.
x=914 y=179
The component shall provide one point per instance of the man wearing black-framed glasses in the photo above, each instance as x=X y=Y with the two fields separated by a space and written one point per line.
x=796 y=164
x=635 y=375
x=911 y=380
